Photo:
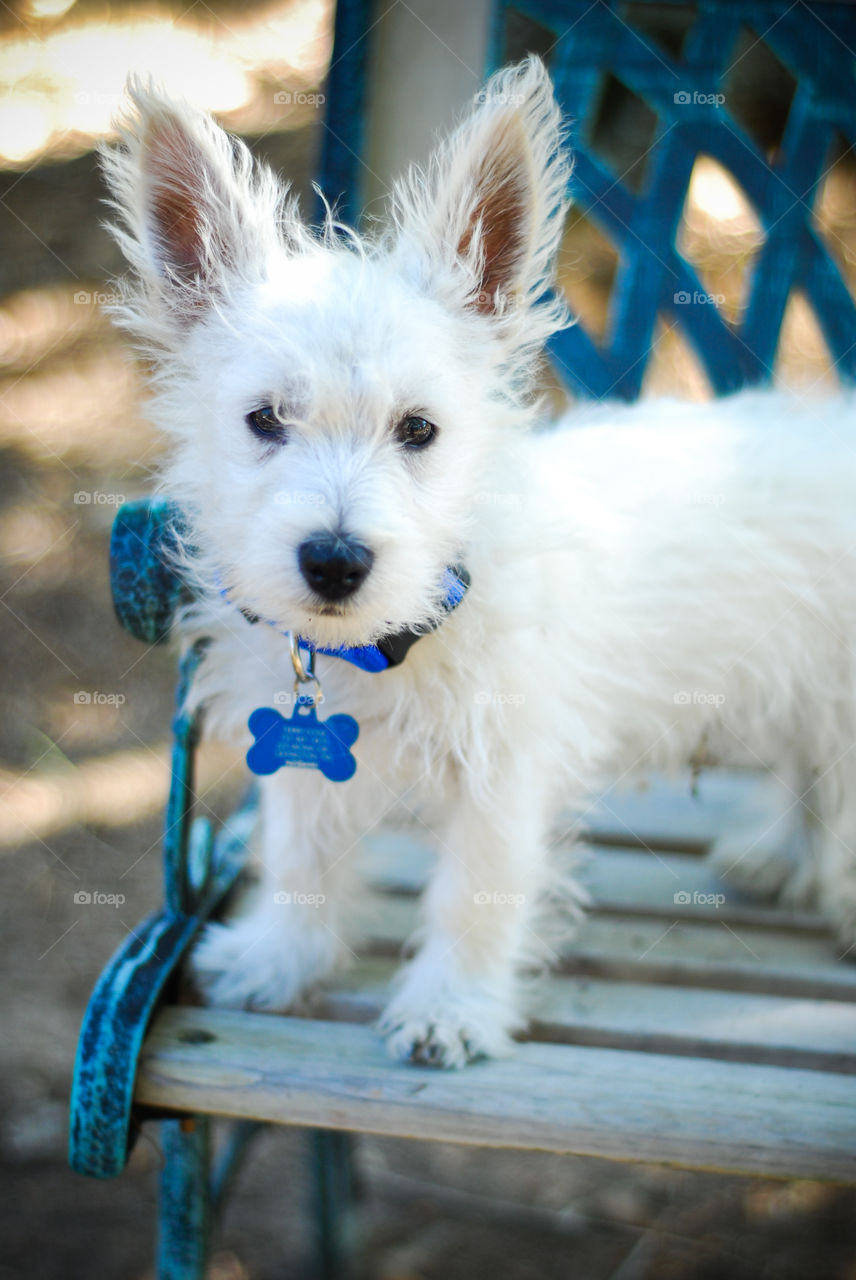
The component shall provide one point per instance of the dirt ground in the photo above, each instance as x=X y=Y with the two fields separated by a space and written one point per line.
x=82 y=777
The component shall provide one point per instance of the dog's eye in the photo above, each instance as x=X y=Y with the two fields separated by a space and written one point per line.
x=264 y=423
x=415 y=432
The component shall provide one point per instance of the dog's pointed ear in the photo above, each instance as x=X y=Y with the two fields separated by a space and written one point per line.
x=485 y=221
x=197 y=212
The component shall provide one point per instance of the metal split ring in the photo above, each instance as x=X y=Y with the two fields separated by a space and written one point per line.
x=304 y=671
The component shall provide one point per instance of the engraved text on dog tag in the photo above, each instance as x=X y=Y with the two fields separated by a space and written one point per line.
x=303 y=741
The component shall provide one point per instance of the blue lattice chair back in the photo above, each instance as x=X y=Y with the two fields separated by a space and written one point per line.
x=679 y=78
x=689 y=97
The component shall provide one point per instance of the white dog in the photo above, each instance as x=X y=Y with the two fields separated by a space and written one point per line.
x=351 y=418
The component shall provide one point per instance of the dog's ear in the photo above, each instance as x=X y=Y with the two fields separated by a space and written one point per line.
x=197 y=213
x=486 y=219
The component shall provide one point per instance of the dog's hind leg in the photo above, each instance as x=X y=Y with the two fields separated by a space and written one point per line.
x=832 y=810
x=796 y=843
x=763 y=848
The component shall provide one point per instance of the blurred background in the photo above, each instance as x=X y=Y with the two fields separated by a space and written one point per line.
x=86 y=710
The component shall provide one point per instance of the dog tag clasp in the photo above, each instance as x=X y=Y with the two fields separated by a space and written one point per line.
x=303 y=742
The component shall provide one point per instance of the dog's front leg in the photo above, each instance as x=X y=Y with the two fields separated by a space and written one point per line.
x=287 y=932
x=460 y=997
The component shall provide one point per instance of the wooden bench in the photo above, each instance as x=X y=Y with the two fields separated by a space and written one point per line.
x=682 y=1024
x=712 y=1034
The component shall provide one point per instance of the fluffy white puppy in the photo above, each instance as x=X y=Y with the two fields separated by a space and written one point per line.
x=349 y=417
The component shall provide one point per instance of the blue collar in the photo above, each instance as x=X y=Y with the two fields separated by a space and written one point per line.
x=391 y=650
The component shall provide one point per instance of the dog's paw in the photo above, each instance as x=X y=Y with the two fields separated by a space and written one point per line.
x=252 y=963
x=234 y=967
x=441 y=1041
x=764 y=848
x=759 y=871
x=446 y=1025
x=766 y=867
x=838 y=905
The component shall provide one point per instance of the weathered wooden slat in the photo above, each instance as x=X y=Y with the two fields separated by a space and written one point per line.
x=676 y=885
x=713 y=955
x=680 y=812
x=733 y=1026
x=735 y=1117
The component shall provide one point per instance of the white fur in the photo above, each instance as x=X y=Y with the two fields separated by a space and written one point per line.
x=647 y=583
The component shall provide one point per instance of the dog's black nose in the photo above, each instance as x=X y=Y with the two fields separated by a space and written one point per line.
x=334 y=564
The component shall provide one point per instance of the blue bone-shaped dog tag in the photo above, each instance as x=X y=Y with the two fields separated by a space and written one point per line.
x=303 y=741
